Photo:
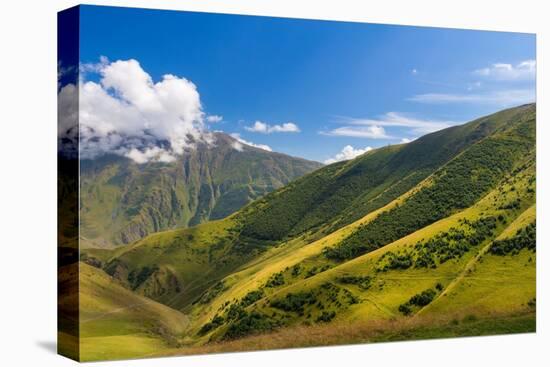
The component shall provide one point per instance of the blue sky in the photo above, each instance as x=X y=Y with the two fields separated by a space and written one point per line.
x=310 y=88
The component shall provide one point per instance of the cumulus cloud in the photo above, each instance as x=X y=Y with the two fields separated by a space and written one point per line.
x=347 y=153
x=264 y=128
x=238 y=144
x=525 y=70
x=370 y=132
x=501 y=98
x=406 y=140
x=214 y=118
x=126 y=113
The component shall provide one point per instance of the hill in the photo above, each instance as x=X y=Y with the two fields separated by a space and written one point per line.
x=312 y=285
x=433 y=238
x=123 y=201
x=117 y=323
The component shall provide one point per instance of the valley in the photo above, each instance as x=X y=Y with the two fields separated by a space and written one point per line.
x=433 y=238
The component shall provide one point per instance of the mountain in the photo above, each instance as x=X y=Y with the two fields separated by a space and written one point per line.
x=433 y=238
x=122 y=201
x=344 y=192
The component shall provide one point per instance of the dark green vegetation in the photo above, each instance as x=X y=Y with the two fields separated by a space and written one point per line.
x=123 y=201
x=275 y=280
x=362 y=281
x=343 y=192
x=294 y=302
x=250 y=323
x=241 y=317
x=252 y=297
x=239 y=321
x=315 y=253
x=449 y=245
x=456 y=185
x=525 y=238
x=419 y=300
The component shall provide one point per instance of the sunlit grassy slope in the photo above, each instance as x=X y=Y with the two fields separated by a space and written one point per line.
x=410 y=256
x=513 y=277
x=117 y=323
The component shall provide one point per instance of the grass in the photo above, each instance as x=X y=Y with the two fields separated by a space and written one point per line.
x=117 y=323
x=368 y=332
x=188 y=261
x=119 y=347
x=475 y=292
x=377 y=304
x=390 y=289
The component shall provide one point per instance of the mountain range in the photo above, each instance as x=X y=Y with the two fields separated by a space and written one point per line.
x=123 y=201
x=433 y=238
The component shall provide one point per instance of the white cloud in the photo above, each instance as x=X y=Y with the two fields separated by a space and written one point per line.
x=500 y=98
x=288 y=127
x=258 y=127
x=396 y=119
x=414 y=71
x=85 y=68
x=262 y=127
x=347 y=153
x=237 y=146
x=407 y=140
x=214 y=118
x=148 y=154
x=371 y=132
x=525 y=70
x=129 y=114
x=238 y=143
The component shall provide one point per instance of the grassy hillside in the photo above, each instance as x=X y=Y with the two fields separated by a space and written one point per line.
x=122 y=201
x=173 y=267
x=344 y=192
x=375 y=286
x=117 y=323
x=456 y=185
x=443 y=246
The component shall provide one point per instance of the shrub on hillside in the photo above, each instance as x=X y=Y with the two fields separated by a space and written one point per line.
x=275 y=280
x=421 y=299
x=294 y=302
x=363 y=282
x=251 y=297
x=525 y=238
x=326 y=316
x=456 y=186
x=250 y=323
x=215 y=323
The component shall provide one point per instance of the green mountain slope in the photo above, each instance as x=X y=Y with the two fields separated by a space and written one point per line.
x=448 y=262
x=173 y=267
x=442 y=245
x=123 y=201
x=117 y=323
x=344 y=192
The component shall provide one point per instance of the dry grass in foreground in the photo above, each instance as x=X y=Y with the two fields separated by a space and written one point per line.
x=374 y=331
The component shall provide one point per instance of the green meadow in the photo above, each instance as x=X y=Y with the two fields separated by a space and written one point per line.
x=430 y=239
